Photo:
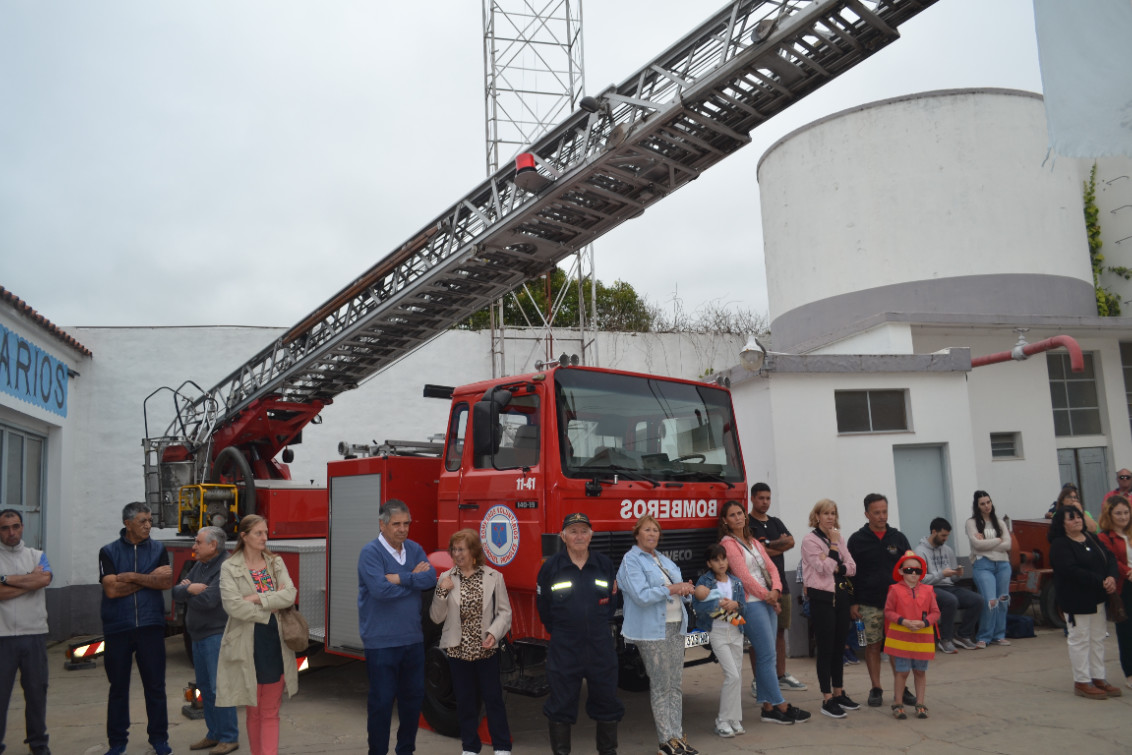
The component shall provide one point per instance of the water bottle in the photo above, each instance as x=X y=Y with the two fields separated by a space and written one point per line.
x=860 y=625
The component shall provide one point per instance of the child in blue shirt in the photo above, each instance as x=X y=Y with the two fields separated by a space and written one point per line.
x=718 y=601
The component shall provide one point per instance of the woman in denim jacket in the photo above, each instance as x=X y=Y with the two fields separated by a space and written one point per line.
x=718 y=602
x=655 y=621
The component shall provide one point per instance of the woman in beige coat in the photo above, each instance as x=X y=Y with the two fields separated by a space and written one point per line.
x=255 y=663
x=471 y=601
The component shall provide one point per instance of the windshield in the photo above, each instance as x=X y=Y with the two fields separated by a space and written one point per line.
x=645 y=428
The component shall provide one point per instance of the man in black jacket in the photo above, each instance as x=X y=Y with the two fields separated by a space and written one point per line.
x=876 y=548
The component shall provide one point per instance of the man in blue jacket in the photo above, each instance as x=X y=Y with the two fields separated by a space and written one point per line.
x=134 y=570
x=393 y=571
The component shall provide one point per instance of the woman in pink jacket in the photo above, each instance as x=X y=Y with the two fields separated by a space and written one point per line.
x=748 y=560
x=827 y=567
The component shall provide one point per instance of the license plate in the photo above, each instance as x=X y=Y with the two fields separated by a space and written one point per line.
x=696 y=639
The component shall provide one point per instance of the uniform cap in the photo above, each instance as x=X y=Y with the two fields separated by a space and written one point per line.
x=576 y=518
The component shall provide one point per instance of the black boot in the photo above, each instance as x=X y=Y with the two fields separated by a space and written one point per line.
x=606 y=737
x=560 y=738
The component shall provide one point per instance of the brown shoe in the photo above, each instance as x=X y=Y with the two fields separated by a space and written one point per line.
x=1086 y=689
x=204 y=744
x=1107 y=688
x=224 y=748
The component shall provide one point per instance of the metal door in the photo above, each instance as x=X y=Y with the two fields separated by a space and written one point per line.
x=922 y=489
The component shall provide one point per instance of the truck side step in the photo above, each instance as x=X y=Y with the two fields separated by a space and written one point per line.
x=531 y=686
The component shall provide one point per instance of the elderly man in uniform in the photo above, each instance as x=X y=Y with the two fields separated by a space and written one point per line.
x=24 y=573
x=205 y=620
x=576 y=590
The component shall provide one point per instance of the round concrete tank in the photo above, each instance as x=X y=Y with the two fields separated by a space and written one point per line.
x=936 y=203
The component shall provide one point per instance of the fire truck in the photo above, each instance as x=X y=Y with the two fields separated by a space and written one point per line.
x=519 y=452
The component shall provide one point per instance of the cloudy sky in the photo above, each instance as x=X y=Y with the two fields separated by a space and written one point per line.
x=206 y=162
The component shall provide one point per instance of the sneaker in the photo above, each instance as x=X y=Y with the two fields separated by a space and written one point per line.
x=737 y=727
x=755 y=689
x=846 y=702
x=946 y=647
x=671 y=747
x=964 y=643
x=832 y=709
x=161 y=748
x=800 y=716
x=1003 y=641
x=120 y=750
x=776 y=716
x=789 y=681
x=876 y=697
x=723 y=729
x=850 y=658
x=980 y=645
x=909 y=697
x=686 y=748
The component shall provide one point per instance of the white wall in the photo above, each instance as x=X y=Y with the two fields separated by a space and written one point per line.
x=929 y=186
x=810 y=461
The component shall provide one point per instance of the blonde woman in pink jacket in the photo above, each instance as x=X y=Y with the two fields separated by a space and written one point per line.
x=748 y=560
x=827 y=568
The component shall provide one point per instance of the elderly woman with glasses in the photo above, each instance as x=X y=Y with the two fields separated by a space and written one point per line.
x=1084 y=575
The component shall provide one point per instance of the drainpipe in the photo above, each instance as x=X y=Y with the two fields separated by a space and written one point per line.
x=1023 y=350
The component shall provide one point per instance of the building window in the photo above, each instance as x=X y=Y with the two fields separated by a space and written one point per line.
x=22 y=472
x=871 y=411
x=1076 y=402
x=1006 y=445
x=1126 y=363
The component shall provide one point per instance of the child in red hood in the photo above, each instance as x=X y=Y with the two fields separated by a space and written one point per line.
x=911 y=615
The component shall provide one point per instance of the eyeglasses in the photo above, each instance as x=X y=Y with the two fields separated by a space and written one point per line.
x=910 y=570
x=1072 y=514
x=1124 y=477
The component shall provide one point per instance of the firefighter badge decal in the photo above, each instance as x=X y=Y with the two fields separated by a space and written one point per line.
x=499 y=532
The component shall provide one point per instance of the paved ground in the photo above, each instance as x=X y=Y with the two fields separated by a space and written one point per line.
x=1001 y=700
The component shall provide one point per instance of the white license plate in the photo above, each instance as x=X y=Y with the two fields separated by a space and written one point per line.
x=696 y=639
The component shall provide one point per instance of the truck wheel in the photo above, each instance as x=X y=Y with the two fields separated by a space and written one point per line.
x=631 y=674
x=232 y=468
x=1049 y=606
x=439 y=706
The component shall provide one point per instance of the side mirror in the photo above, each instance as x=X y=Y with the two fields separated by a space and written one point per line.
x=486 y=431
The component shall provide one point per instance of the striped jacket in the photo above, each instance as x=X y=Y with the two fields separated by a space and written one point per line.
x=910 y=603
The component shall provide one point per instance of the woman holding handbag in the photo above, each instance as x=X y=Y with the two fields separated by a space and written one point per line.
x=472 y=604
x=255 y=663
x=1116 y=534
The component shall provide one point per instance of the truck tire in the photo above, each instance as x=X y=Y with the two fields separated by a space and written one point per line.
x=1048 y=602
x=232 y=468
x=631 y=674
x=439 y=707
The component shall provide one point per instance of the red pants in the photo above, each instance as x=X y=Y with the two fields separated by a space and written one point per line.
x=263 y=719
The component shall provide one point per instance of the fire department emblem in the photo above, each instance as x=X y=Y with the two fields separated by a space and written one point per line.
x=499 y=532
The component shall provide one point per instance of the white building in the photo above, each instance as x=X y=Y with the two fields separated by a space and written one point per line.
x=902 y=239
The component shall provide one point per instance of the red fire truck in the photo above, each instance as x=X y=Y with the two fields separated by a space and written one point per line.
x=520 y=451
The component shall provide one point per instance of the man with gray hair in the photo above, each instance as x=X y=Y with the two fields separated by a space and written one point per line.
x=393 y=571
x=205 y=620
x=134 y=570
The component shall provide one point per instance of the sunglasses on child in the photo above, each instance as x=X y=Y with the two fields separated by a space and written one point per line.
x=912 y=570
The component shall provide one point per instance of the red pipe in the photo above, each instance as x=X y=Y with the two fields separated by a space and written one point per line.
x=1076 y=358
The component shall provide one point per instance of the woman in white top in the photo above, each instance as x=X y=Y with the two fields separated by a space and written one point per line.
x=990 y=549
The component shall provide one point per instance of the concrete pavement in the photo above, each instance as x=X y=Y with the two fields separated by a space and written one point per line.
x=1016 y=699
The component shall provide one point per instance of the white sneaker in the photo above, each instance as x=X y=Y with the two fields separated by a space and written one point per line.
x=755 y=689
x=723 y=729
x=737 y=727
x=790 y=681
x=502 y=752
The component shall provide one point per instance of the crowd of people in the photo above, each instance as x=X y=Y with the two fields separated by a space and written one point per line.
x=904 y=602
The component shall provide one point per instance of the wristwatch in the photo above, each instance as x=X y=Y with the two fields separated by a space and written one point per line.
x=3 y=579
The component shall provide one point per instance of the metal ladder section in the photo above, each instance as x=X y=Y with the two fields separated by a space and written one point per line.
x=622 y=151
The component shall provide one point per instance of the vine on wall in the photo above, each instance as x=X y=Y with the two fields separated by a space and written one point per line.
x=1108 y=303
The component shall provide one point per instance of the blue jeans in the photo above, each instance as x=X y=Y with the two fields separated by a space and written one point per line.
x=993 y=580
x=222 y=723
x=147 y=646
x=762 y=631
x=394 y=674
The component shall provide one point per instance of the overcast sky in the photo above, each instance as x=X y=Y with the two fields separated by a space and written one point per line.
x=180 y=163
